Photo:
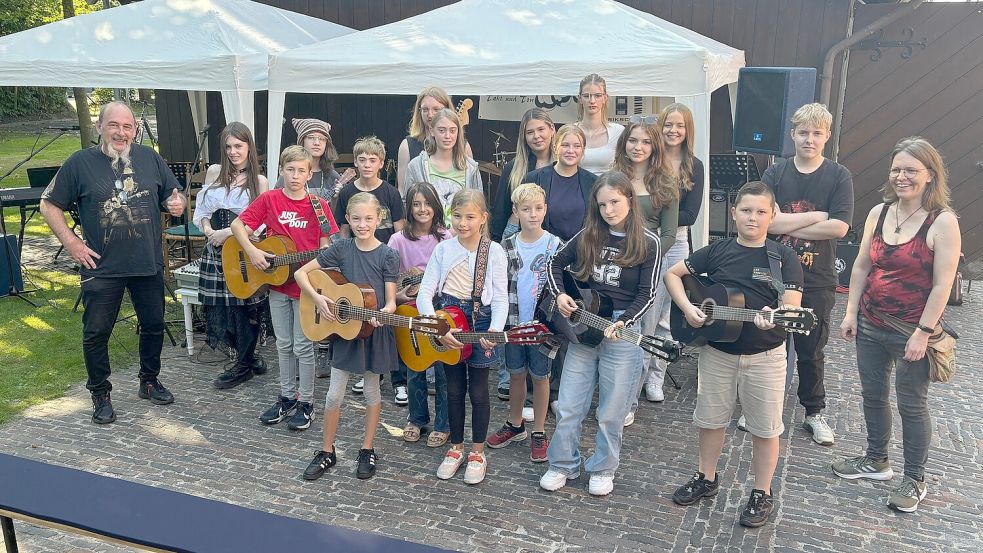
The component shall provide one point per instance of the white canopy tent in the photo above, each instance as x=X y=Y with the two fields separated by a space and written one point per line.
x=194 y=45
x=523 y=47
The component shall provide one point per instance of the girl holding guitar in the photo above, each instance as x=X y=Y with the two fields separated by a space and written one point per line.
x=362 y=259
x=619 y=259
x=469 y=272
x=415 y=244
x=230 y=187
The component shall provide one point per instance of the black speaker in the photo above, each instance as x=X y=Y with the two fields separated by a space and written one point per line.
x=720 y=203
x=766 y=99
x=846 y=254
x=10 y=275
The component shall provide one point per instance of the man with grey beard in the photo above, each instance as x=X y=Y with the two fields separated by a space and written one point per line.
x=119 y=189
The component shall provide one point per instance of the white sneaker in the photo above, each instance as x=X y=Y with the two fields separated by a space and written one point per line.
x=822 y=434
x=452 y=461
x=401 y=397
x=654 y=393
x=358 y=386
x=528 y=414
x=600 y=485
x=742 y=424
x=554 y=480
x=629 y=419
x=475 y=472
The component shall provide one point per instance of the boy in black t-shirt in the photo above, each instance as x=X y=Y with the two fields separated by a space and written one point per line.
x=815 y=198
x=753 y=367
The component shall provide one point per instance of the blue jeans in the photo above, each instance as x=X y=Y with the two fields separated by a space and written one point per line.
x=416 y=384
x=878 y=352
x=615 y=365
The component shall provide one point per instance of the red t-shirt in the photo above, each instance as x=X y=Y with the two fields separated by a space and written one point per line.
x=294 y=219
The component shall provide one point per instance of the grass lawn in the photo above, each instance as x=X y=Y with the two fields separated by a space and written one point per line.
x=41 y=348
x=16 y=145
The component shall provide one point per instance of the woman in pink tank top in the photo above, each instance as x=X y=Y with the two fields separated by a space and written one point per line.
x=905 y=268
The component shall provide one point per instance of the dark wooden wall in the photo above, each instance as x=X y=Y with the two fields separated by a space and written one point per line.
x=808 y=28
x=937 y=94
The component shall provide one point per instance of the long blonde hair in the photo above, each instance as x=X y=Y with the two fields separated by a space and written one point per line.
x=458 y=152
x=470 y=196
x=936 y=194
x=658 y=180
x=594 y=237
x=418 y=128
x=685 y=175
x=523 y=153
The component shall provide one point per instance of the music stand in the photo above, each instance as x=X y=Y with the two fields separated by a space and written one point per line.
x=729 y=172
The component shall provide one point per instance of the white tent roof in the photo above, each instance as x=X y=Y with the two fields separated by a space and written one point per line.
x=514 y=47
x=219 y=45
x=521 y=47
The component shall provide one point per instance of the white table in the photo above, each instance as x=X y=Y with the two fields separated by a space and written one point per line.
x=189 y=297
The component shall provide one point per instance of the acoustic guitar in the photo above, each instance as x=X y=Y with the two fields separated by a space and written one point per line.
x=354 y=305
x=243 y=280
x=586 y=325
x=420 y=351
x=726 y=314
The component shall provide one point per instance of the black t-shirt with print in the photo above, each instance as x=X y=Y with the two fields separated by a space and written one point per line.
x=388 y=196
x=120 y=223
x=829 y=189
x=747 y=269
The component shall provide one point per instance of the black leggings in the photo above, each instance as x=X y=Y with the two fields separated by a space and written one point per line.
x=462 y=378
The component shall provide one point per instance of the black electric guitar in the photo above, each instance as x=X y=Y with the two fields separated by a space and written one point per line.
x=726 y=314
x=587 y=324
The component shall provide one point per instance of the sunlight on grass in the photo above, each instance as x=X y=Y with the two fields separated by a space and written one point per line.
x=37 y=324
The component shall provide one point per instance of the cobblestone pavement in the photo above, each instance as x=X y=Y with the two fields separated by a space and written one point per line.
x=209 y=443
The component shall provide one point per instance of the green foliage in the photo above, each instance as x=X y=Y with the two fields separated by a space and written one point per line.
x=18 y=101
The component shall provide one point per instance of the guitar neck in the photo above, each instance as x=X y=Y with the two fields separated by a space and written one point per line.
x=293 y=257
x=725 y=313
x=600 y=323
x=474 y=337
x=364 y=314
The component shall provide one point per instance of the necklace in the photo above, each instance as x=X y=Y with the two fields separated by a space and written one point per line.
x=897 y=208
x=118 y=182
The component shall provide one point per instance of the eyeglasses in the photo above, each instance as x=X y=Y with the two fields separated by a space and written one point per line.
x=643 y=119
x=587 y=96
x=908 y=172
x=113 y=126
x=316 y=139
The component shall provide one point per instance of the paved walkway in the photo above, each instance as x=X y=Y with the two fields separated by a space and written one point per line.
x=209 y=443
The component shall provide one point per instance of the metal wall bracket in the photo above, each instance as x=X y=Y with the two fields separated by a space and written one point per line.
x=876 y=44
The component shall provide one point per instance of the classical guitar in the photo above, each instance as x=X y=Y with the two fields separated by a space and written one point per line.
x=726 y=314
x=354 y=305
x=412 y=277
x=243 y=279
x=586 y=325
x=420 y=351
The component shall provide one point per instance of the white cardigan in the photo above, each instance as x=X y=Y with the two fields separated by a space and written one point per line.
x=450 y=253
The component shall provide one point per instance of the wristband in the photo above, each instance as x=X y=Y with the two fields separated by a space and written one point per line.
x=926 y=329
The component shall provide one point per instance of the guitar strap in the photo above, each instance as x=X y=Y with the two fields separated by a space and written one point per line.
x=775 y=265
x=322 y=220
x=480 y=269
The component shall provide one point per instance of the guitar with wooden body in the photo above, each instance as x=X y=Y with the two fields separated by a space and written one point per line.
x=354 y=305
x=586 y=325
x=243 y=280
x=420 y=351
x=726 y=314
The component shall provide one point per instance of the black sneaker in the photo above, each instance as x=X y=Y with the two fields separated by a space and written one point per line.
x=102 y=412
x=258 y=365
x=280 y=410
x=155 y=392
x=698 y=487
x=303 y=416
x=233 y=377
x=366 y=464
x=322 y=462
x=757 y=510
x=503 y=394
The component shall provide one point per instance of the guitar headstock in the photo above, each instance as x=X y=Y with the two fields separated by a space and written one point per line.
x=462 y=111
x=434 y=326
x=528 y=334
x=663 y=348
x=800 y=320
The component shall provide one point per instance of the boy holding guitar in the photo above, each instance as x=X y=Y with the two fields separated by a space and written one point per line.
x=305 y=220
x=753 y=367
x=362 y=259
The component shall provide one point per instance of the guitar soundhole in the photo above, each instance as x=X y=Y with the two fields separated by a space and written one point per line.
x=436 y=344
x=342 y=312
x=707 y=307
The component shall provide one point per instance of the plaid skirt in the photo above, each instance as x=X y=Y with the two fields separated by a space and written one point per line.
x=211 y=281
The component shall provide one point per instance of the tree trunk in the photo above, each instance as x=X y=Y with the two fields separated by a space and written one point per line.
x=145 y=95
x=86 y=129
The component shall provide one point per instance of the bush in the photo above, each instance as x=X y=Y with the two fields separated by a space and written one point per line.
x=20 y=101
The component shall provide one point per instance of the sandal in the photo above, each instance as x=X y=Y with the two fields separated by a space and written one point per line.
x=411 y=433
x=437 y=439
